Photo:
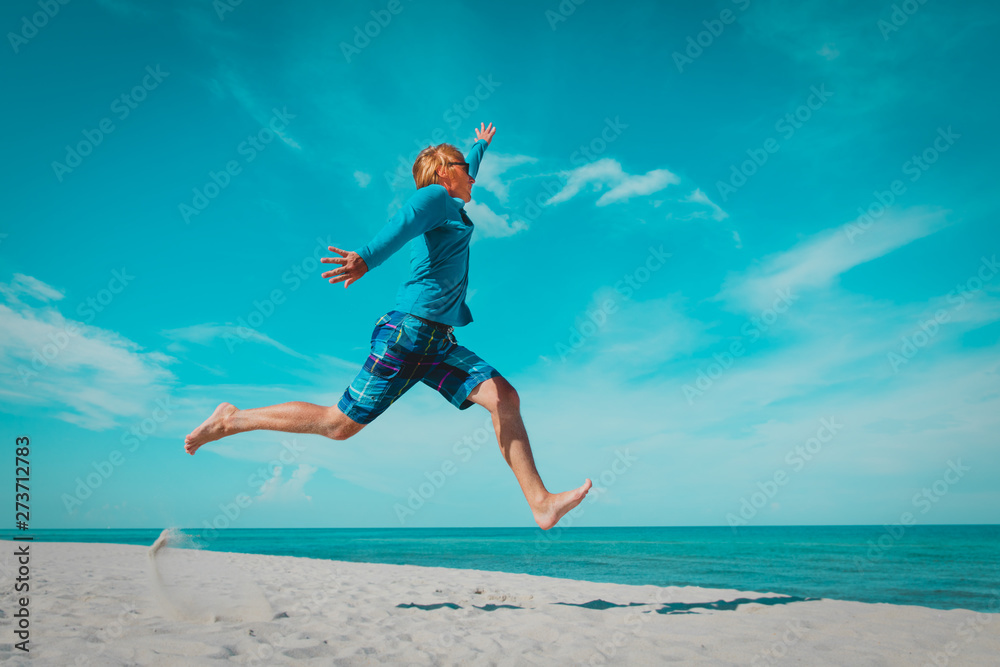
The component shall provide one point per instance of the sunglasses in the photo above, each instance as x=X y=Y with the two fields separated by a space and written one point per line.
x=463 y=165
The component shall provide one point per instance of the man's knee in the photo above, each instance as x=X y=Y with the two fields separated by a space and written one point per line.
x=496 y=393
x=339 y=426
x=506 y=394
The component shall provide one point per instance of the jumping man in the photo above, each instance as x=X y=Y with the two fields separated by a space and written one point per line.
x=415 y=341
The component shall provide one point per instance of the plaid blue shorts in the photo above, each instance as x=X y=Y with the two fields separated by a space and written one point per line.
x=404 y=351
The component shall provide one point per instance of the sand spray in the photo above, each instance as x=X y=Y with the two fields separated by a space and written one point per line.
x=202 y=587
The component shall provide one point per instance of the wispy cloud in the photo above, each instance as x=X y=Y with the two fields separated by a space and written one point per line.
x=95 y=376
x=494 y=166
x=699 y=197
x=491 y=224
x=609 y=173
x=248 y=99
x=829 y=51
x=30 y=286
x=362 y=178
x=292 y=489
x=206 y=334
x=819 y=260
x=769 y=399
x=637 y=186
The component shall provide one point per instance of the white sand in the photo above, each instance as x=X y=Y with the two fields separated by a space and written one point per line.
x=99 y=604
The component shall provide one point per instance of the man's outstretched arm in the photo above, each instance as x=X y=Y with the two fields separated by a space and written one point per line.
x=484 y=135
x=423 y=212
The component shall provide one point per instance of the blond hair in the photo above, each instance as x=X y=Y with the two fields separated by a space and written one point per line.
x=430 y=160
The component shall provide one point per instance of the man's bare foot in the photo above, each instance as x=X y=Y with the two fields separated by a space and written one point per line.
x=550 y=510
x=211 y=429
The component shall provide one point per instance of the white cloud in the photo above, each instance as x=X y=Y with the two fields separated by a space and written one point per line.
x=829 y=51
x=700 y=197
x=594 y=172
x=819 y=260
x=96 y=376
x=609 y=173
x=493 y=166
x=206 y=334
x=279 y=489
x=491 y=224
x=22 y=284
x=362 y=178
x=636 y=186
x=632 y=340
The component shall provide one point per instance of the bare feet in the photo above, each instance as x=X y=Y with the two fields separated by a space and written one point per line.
x=550 y=510
x=211 y=429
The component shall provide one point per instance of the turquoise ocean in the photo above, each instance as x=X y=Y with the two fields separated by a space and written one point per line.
x=944 y=567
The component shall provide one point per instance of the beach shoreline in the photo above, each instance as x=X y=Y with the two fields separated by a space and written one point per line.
x=112 y=604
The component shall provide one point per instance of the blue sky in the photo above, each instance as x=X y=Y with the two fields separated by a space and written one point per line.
x=747 y=277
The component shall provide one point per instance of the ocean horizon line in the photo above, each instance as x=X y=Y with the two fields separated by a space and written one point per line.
x=531 y=528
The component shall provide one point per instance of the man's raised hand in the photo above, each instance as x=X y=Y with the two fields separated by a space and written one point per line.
x=485 y=133
x=353 y=267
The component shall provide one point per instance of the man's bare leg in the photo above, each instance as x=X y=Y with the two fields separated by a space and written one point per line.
x=295 y=417
x=499 y=397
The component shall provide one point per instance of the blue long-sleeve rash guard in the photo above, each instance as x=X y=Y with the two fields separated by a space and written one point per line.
x=439 y=232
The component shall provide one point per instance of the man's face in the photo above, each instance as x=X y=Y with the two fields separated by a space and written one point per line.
x=457 y=181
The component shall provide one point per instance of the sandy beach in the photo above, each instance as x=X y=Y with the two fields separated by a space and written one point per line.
x=106 y=604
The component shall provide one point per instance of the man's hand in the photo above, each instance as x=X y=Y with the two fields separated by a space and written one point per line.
x=485 y=133
x=353 y=266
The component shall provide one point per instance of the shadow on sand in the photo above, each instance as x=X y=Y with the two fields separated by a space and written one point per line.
x=726 y=605
x=599 y=605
